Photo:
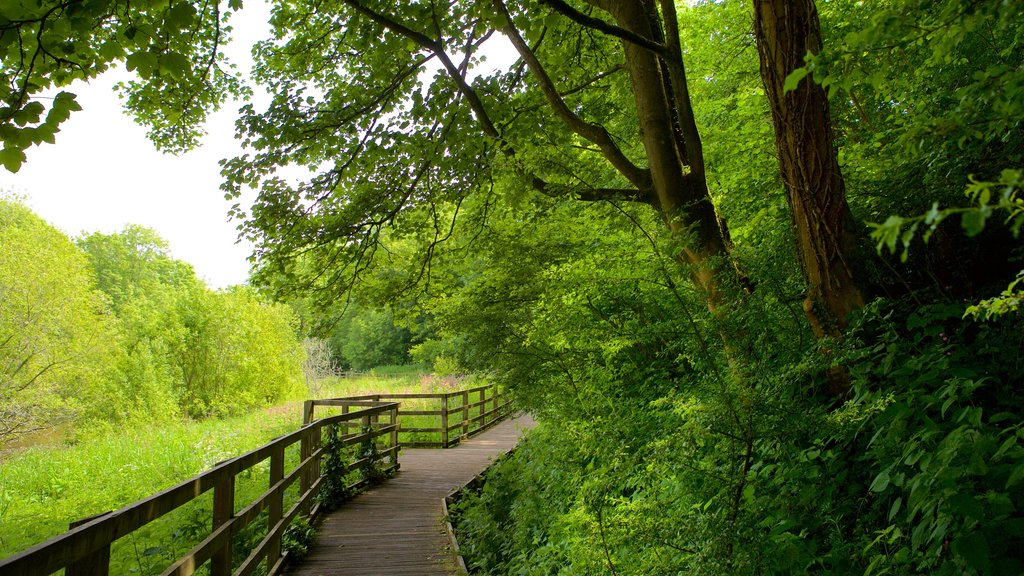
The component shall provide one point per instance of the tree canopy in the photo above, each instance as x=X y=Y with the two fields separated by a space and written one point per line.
x=667 y=228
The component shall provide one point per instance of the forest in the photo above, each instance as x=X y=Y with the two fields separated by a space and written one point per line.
x=755 y=266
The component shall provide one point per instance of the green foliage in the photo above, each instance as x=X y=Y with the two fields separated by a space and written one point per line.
x=297 y=539
x=185 y=348
x=56 y=338
x=365 y=338
x=334 y=487
x=171 y=46
x=945 y=453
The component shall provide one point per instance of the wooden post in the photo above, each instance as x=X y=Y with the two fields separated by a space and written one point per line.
x=344 y=423
x=374 y=425
x=444 y=420
x=95 y=564
x=496 y=414
x=223 y=511
x=307 y=412
x=276 y=511
x=314 y=471
x=305 y=449
x=465 y=414
x=393 y=443
x=366 y=429
x=483 y=407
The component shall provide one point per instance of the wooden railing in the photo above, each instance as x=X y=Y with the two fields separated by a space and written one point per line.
x=452 y=415
x=86 y=548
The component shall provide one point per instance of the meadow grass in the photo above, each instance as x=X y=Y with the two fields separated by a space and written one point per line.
x=43 y=489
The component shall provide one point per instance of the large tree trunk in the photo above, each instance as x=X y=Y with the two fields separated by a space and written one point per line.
x=671 y=143
x=786 y=30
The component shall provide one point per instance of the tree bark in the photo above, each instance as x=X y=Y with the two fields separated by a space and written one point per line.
x=671 y=143
x=786 y=30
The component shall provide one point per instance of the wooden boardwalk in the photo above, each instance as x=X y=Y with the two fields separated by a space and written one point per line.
x=397 y=528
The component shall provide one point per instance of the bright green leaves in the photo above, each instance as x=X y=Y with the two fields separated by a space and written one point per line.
x=56 y=337
x=171 y=46
x=149 y=64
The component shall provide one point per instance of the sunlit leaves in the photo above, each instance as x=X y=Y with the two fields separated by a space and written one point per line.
x=56 y=341
x=172 y=46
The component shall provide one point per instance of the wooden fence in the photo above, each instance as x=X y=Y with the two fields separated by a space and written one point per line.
x=452 y=415
x=85 y=549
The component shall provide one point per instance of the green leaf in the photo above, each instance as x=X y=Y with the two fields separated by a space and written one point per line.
x=973 y=222
x=181 y=15
x=794 y=79
x=895 y=508
x=144 y=62
x=175 y=64
x=12 y=158
x=881 y=482
x=973 y=548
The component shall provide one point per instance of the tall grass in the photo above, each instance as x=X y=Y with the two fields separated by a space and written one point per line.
x=43 y=489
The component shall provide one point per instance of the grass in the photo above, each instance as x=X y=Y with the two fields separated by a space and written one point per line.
x=43 y=489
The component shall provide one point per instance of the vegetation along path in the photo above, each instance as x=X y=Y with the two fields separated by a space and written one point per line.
x=397 y=527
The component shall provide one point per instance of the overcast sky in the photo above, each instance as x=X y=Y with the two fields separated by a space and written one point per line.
x=103 y=173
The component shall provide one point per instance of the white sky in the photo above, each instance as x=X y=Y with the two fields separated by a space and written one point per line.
x=103 y=173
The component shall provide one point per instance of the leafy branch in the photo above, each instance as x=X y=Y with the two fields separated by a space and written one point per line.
x=1002 y=195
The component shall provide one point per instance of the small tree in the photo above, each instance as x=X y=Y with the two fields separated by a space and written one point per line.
x=55 y=333
x=319 y=364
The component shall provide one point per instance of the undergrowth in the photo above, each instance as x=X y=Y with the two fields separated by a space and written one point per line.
x=921 y=472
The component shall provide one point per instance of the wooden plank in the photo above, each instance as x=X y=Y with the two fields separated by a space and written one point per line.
x=276 y=504
x=407 y=534
x=95 y=564
x=444 y=419
x=420 y=412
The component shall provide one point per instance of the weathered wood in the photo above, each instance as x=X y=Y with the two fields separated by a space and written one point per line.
x=465 y=414
x=407 y=534
x=95 y=564
x=223 y=512
x=93 y=537
x=276 y=505
x=444 y=420
x=481 y=403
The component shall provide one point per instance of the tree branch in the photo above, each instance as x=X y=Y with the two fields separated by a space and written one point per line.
x=590 y=194
x=582 y=19
x=595 y=133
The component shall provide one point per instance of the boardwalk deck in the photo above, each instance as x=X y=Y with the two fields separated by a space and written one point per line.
x=396 y=528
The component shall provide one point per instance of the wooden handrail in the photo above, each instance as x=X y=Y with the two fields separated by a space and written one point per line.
x=85 y=548
x=464 y=417
x=80 y=549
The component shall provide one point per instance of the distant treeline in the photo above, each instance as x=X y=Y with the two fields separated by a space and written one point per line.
x=110 y=330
